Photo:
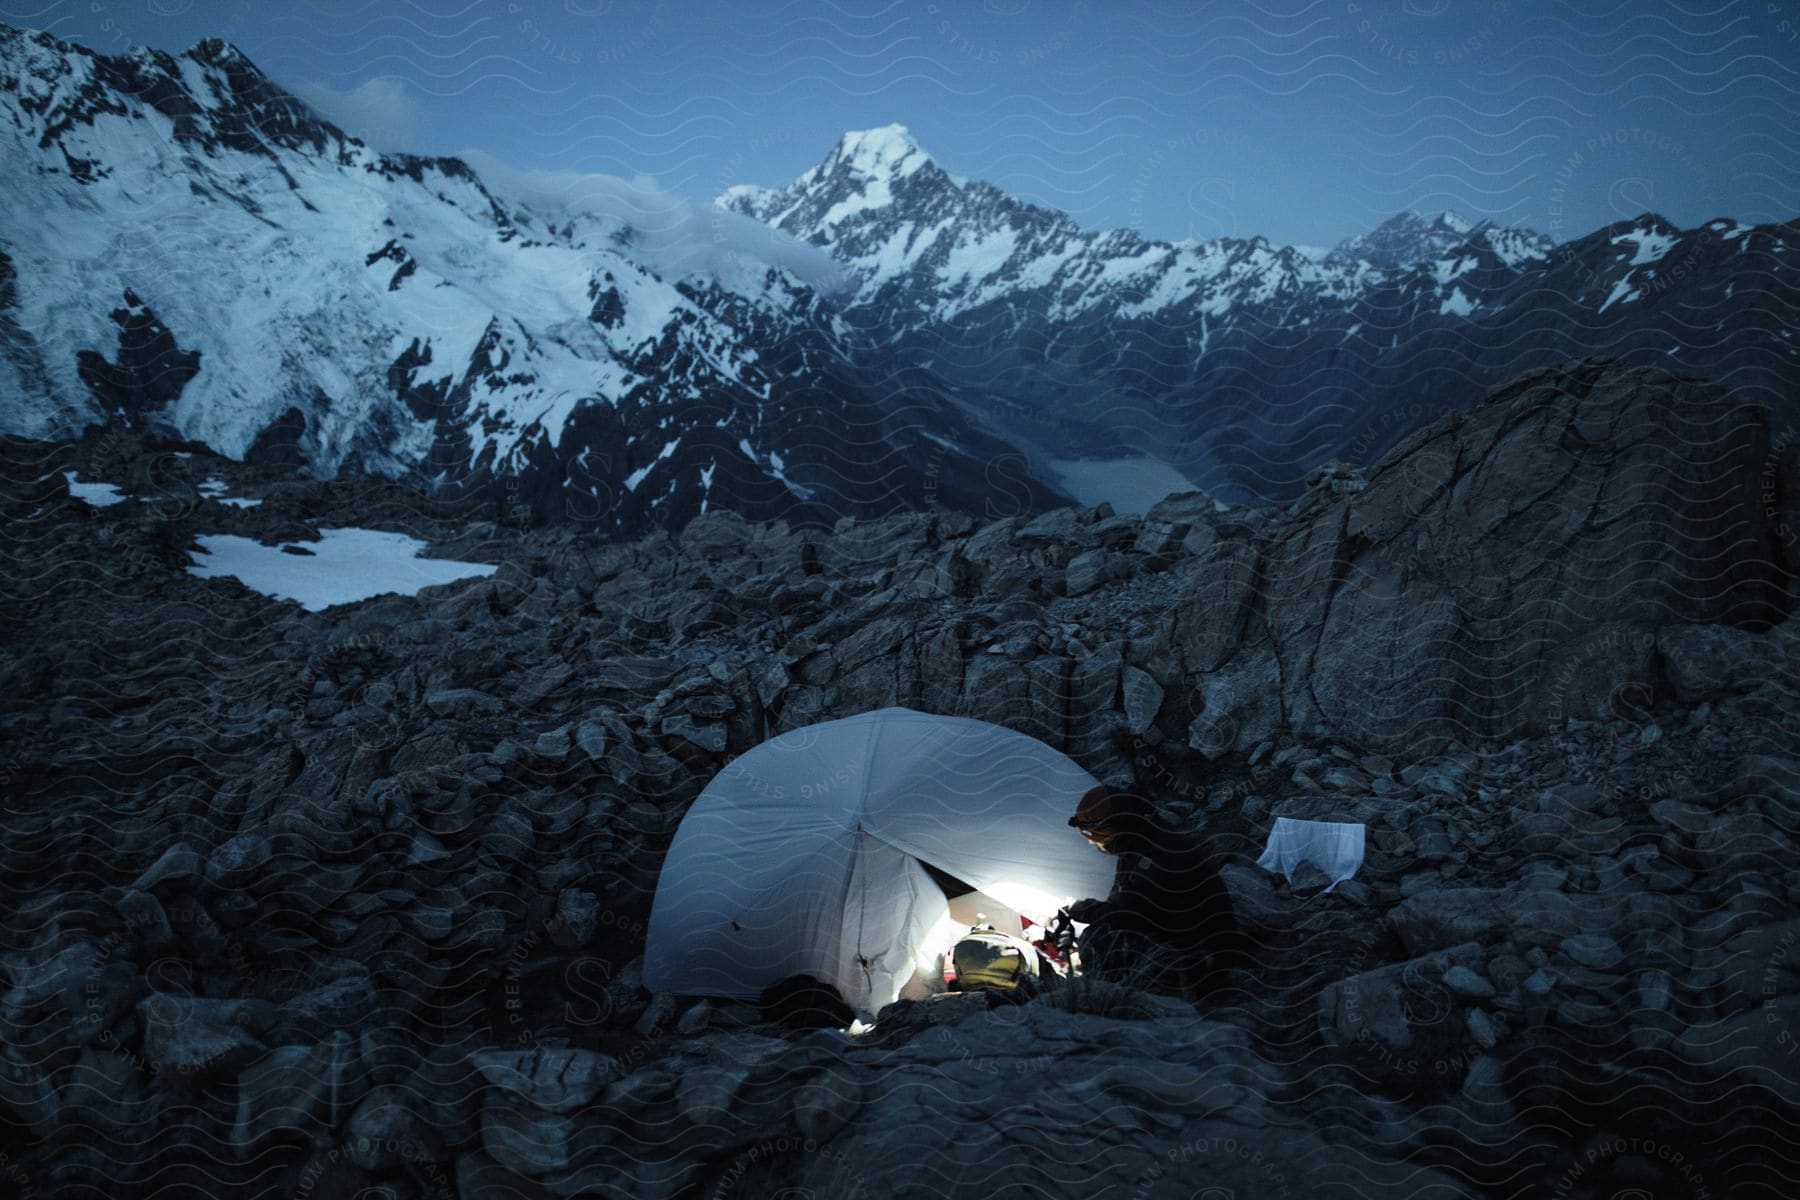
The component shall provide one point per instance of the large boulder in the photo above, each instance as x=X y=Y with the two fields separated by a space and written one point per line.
x=557 y=1080
x=1754 y=1047
x=1413 y=1006
x=188 y=1035
x=1529 y=915
x=1502 y=573
x=1705 y=662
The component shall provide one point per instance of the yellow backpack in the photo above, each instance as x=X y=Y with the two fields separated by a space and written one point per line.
x=988 y=960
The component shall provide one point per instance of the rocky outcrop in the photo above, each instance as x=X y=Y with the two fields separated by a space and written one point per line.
x=1498 y=573
x=1534 y=561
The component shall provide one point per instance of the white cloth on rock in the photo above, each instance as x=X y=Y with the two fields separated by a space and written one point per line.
x=1335 y=847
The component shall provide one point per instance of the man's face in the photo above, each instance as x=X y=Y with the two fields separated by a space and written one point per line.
x=1099 y=837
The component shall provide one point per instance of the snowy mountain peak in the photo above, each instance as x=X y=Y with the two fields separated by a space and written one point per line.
x=1409 y=220
x=209 y=99
x=218 y=52
x=871 y=175
x=1412 y=237
x=889 y=150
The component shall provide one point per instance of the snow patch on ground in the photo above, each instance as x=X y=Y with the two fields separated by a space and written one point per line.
x=343 y=566
x=217 y=489
x=99 y=495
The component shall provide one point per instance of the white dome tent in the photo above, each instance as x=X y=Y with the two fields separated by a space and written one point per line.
x=804 y=855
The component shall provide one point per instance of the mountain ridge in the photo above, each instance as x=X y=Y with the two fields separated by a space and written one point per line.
x=1247 y=366
x=473 y=339
x=395 y=315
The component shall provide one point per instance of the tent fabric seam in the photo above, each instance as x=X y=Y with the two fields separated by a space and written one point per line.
x=858 y=865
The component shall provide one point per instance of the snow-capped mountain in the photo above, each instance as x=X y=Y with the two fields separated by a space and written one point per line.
x=189 y=247
x=1411 y=237
x=1244 y=364
x=882 y=207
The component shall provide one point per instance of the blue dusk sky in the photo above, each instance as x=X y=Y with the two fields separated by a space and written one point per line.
x=1302 y=120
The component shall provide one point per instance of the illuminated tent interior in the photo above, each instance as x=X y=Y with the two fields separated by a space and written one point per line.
x=829 y=851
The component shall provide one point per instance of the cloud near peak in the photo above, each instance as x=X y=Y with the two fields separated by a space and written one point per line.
x=382 y=111
x=673 y=235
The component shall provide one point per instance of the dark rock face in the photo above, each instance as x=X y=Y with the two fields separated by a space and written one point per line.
x=324 y=902
x=1498 y=571
x=148 y=371
x=279 y=444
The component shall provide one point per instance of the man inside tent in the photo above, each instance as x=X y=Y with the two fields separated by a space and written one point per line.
x=1168 y=923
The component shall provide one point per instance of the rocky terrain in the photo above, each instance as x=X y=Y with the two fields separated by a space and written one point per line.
x=305 y=903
